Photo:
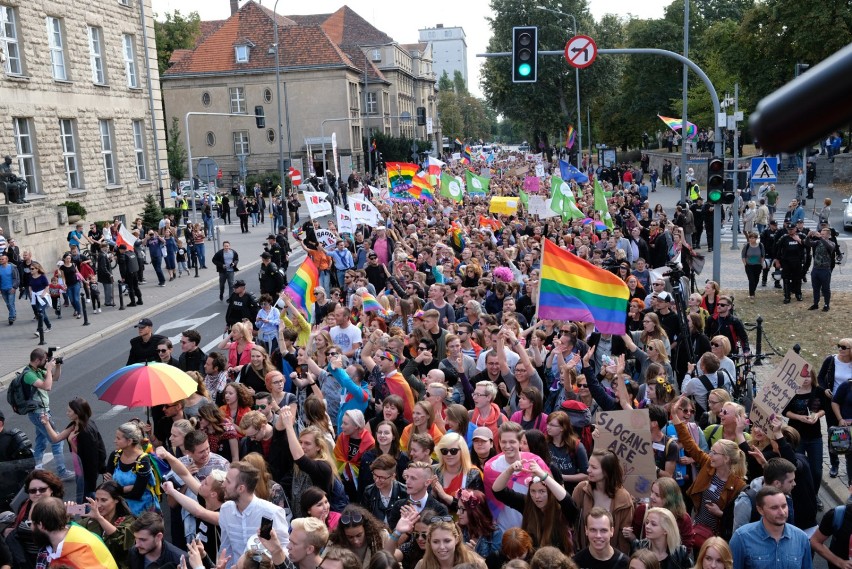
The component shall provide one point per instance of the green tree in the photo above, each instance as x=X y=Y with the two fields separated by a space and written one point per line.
x=152 y=214
x=458 y=83
x=176 y=155
x=176 y=32
x=445 y=83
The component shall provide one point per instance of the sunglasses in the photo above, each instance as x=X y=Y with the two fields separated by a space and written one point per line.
x=842 y=347
x=582 y=385
x=715 y=345
x=723 y=305
x=686 y=411
x=259 y=407
x=418 y=534
x=452 y=451
x=437 y=519
x=333 y=354
x=162 y=351
x=38 y=490
x=347 y=520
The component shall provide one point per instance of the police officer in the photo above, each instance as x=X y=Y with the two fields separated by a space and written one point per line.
x=271 y=281
x=241 y=305
x=789 y=257
x=128 y=267
x=767 y=239
x=274 y=249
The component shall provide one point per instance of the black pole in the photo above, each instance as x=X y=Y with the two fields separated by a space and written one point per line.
x=40 y=318
x=85 y=312
x=195 y=259
x=121 y=295
x=759 y=343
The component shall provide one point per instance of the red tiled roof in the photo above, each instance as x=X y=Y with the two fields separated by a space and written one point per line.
x=209 y=27
x=356 y=56
x=300 y=45
x=346 y=27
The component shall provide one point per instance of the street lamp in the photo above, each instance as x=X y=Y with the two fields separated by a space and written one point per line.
x=577 y=81
x=278 y=104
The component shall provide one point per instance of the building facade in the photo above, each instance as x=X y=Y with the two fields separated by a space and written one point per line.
x=449 y=50
x=339 y=75
x=79 y=125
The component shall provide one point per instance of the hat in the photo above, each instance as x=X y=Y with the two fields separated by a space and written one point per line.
x=419 y=314
x=122 y=246
x=664 y=296
x=357 y=417
x=773 y=222
x=482 y=433
x=265 y=255
x=239 y=283
x=270 y=236
x=144 y=322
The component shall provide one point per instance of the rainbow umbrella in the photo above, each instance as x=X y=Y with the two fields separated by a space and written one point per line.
x=600 y=226
x=587 y=221
x=146 y=385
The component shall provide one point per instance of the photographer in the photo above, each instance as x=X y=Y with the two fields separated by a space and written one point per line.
x=39 y=376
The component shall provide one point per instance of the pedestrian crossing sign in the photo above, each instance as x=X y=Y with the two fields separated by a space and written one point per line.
x=764 y=169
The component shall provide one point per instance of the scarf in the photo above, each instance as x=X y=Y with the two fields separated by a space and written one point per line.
x=399 y=386
x=492 y=422
x=349 y=468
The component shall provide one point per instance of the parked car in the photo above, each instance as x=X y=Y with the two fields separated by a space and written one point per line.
x=847 y=215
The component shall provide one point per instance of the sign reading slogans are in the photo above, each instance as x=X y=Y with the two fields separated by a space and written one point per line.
x=628 y=435
x=326 y=238
x=318 y=204
x=778 y=390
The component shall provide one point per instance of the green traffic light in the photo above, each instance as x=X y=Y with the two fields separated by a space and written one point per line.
x=524 y=69
x=714 y=196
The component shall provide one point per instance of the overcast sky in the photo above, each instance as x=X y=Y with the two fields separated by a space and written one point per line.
x=402 y=27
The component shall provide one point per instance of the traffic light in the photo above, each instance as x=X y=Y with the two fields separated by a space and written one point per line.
x=524 y=54
x=715 y=180
x=259 y=119
x=421 y=116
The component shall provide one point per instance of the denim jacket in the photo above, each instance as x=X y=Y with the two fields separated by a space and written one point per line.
x=754 y=548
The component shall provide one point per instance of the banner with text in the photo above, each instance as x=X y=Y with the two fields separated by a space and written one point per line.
x=363 y=211
x=318 y=204
x=627 y=434
x=344 y=221
x=778 y=390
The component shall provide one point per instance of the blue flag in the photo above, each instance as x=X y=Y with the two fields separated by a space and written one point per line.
x=569 y=172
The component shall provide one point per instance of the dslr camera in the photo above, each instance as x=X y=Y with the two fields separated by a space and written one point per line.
x=50 y=352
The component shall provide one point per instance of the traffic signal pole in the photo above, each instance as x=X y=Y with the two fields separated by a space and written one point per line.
x=717 y=109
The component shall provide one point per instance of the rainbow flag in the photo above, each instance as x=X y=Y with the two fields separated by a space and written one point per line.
x=420 y=188
x=459 y=142
x=491 y=223
x=373 y=146
x=675 y=124
x=574 y=289
x=457 y=237
x=82 y=549
x=301 y=288
x=400 y=174
x=570 y=137
x=371 y=304
x=467 y=154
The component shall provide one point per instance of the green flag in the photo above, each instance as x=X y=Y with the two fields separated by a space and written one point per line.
x=572 y=211
x=476 y=184
x=600 y=199
x=561 y=194
x=450 y=188
x=525 y=199
x=608 y=221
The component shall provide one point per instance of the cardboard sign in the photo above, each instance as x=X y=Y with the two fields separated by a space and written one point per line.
x=778 y=390
x=326 y=238
x=628 y=435
x=541 y=207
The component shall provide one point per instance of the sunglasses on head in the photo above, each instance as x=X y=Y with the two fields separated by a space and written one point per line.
x=452 y=451
x=347 y=520
x=436 y=519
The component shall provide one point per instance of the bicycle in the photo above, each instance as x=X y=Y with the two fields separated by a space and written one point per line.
x=745 y=384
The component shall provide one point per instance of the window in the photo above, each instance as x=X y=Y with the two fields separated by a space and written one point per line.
x=267 y=95
x=107 y=152
x=372 y=103
x=242 y=53
x=69 y=153
x=376 y=55
x=238 y=100
x=124 y=2
x=130 y=61
x=205 y=99
x=139 y=148
x=9 y=41
x=270 y=135
x=241 y=143
x=96 y=55
x=211 y=139
x=57 y=48
x=25 y=148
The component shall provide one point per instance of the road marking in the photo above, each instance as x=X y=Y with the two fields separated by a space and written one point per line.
x=112 y=412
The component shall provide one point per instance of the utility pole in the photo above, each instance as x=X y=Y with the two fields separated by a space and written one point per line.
x=684 y=128
x=735 y=151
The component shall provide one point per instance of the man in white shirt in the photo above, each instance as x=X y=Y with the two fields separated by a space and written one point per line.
x=241 y=514
x=345 y=334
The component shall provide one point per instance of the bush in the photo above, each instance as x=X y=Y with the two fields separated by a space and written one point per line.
x=74 y=208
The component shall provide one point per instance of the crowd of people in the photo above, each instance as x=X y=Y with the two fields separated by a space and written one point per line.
x=420 y=416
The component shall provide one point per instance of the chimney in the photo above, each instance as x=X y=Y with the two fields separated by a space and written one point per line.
x=235 y=6
x=439 y=26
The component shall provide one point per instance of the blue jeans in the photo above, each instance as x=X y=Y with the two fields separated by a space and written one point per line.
x=39 y=308
x=9 y=297
x=325 y=279
x=199 y=250
x=74 y=297
x=42 y=440
x=812 y=449
x=157 y=263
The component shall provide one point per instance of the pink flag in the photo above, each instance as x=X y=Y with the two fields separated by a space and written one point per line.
x=531 y=184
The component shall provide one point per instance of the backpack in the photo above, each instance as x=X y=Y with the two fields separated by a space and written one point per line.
x=581 y=420
x=155 y=481
x=21 y=396
x=839 y=440
x=705 y=381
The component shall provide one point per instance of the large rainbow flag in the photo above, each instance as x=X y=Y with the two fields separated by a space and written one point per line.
x=400 y=174
x=81 y=549
x=301 y=288
x=370 y=303
x=574 y=289
x=675 y=124
x=420 y=188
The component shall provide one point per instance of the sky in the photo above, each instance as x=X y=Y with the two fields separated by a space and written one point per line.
x=386 y=16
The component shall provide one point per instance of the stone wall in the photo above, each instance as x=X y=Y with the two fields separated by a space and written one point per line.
x=842 y=168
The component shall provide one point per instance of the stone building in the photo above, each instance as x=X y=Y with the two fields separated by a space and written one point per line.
x=326 y=64
x=78 y=117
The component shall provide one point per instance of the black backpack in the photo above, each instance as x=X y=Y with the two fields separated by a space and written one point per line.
x=20 y=396
x=705 y=381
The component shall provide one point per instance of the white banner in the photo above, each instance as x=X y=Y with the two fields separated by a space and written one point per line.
x=326 y=238
x=334 y=154
x=363 y=211
x=541 y=207
x=539 y=170
x=318 y=204
x=344 y=221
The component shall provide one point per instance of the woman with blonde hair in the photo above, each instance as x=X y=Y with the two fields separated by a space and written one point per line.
x=720 y=346
x=423 y=422
x=715 y=400
x=662 y=538
x=239 y=343
x=180 y=429
x=454 y=471
x=651 y=330
x=266 y=489
x=715 y=554
x=654 y=353
x=319 y=346
x=445 y=548
x=201 y=396
x=665 y=493
x=730 y=415
x=720 y=478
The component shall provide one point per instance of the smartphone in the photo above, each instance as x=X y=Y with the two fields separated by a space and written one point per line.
x=77 y=509
x=303 y=371
x=265 y=528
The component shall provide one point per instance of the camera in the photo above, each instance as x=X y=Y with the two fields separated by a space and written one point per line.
x=50 y=351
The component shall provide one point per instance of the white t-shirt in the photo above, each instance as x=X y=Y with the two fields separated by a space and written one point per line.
x=842 y=373
x=511 y=358
x=347 y=337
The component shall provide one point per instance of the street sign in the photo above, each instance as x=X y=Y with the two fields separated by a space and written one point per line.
x=207 y=169
x=580 y=51
x=764 y=169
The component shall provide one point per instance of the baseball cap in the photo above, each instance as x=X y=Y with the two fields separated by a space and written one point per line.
x=265 y=255
x=239 y=283
x=664 y=296
x=270 y=236
x=144 y=322
x=483 y=433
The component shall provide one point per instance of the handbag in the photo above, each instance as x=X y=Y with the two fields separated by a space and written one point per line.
x=839 y=440
x=701 y=533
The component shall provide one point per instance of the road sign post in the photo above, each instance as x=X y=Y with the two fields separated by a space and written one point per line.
x=581 y=51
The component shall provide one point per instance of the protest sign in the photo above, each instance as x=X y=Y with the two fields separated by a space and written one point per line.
x=521 y=171
x=326 y=238
x=541 y=207
x=363 y=211
x=777 y=391
x=532 y=184
x=344 y=221
x=318 y=204
x=504 y=205
x=539 y=170
x=628 y=435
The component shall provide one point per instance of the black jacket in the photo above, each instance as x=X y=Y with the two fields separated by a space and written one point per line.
x=219 y=260
x=193 y=361
x=432 y=503
x=270 y=279
x=141 y=351
x=127 y=263
x=170 y=557
x=372 y=500
x=240 y=307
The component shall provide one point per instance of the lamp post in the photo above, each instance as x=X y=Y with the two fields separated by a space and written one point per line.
x=577 y=88
x=278 y=104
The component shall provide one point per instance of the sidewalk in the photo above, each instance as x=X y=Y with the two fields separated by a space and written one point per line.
x=73 y=337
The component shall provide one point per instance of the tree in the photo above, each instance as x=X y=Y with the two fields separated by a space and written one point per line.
x=458 y=83
x=176 y=32
x=176 y=155
x=152 y=214
x=445 y=83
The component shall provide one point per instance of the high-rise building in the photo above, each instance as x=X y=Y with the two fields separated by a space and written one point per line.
x=449 y=50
